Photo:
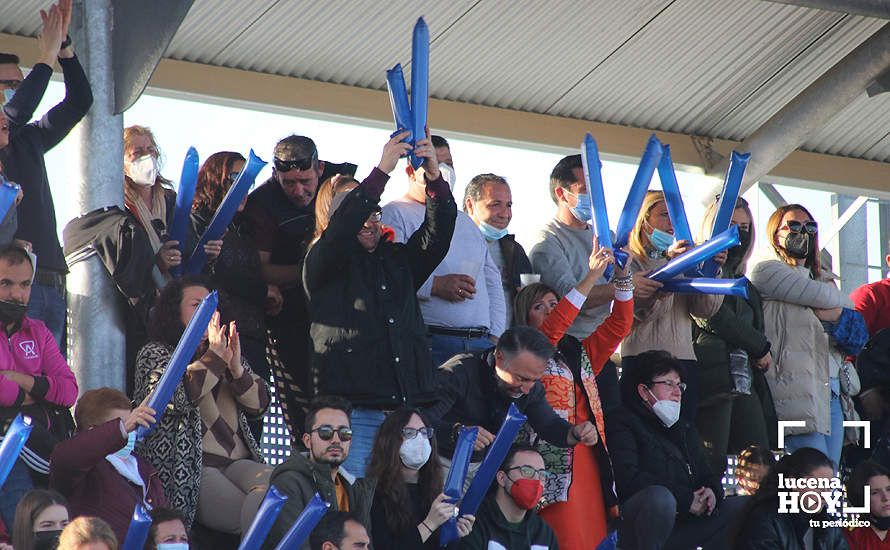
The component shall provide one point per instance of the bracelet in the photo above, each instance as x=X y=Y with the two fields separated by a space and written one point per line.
x=623 y=283
x=427 y=526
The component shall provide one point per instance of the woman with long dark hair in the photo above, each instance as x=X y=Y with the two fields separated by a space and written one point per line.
x=798 y=297
x=203 y=449
x=39 y=519
x=237 y=272
x=578 y=494
x=761 y=524
x=408 y=485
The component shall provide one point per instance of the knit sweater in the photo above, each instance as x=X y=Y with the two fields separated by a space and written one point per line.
x=219 y=395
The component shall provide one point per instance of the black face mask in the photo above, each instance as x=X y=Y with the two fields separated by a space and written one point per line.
x=882 y=524
x=798 y=245
x=735 y=254
x=12 y=312
x=46 y=540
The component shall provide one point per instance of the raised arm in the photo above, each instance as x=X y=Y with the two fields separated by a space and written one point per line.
x=778 y=281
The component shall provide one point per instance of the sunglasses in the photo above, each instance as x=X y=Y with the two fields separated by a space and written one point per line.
x=411 y=433
x=326 y=432
x=529 y=472
x=797 y=227
x=299 y=164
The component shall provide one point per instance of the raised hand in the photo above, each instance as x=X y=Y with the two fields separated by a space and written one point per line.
x=393 y=151
x=49 y=41
x=143 y=415
x=424 y=149
x=217 y=338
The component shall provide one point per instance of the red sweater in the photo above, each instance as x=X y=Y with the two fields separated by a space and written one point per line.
x=873 y=302
x=79 y=471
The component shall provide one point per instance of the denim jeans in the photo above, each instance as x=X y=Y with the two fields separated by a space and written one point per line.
x=365 y=423
x=830 y=445
x=445 y=347
x=14 y=488
x=47 y=304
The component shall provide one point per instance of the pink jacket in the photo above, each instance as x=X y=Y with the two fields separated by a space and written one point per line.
x=32 y=350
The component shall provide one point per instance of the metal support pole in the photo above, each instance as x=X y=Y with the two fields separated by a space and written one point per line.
x=97 y=346
x=884 y=224
x=803 y=116
x=850 y=250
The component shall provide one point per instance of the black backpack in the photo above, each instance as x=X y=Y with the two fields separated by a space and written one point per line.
x=873 y=362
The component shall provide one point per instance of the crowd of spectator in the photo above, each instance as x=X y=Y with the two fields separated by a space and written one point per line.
x=389 y=329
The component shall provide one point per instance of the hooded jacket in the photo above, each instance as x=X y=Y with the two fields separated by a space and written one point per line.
x=645 y=453
x=492 y=531
x=766 y=529
x=299 y=479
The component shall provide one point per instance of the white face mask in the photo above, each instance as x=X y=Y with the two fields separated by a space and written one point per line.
x=666 y=410
x=144 y=170
x=415 y=452
x=448 y=174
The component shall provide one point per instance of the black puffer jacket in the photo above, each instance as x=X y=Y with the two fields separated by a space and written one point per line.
x=644 y=453
x=369 y=338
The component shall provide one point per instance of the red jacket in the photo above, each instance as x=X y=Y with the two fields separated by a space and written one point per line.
x=873 y=302
x=79 y=471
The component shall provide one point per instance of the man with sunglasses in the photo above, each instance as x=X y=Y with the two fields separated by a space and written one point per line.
x=281 y=219
x=22 y=157
x=507 y=518
x=328 y=437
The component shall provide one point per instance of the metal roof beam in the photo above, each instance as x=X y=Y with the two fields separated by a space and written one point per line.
x=786 y=130
x=868 y=8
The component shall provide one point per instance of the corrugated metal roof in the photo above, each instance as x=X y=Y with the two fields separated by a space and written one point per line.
x=718 y=68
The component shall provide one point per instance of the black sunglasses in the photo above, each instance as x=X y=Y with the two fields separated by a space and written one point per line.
x=299 y=164
x=810 y=227
x=326 y=432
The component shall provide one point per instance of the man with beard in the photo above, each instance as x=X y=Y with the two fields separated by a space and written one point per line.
x=34 y=377
x=328 y=435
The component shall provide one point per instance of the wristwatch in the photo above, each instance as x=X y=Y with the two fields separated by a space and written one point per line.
x=66 y=43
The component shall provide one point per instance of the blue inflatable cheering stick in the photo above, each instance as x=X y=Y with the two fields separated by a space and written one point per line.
x=420 y=83
x=13 y=442
x=628 y=217
x=731 y=187
x=593 y=179
x=306 y=522
x=185 y=350
x=185 y=195
x=695 y=256
x=454 y=483
x=140 y=525
x=226 y=211
x=264 y=520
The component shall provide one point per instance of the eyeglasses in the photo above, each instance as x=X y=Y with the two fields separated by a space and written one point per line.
x=810 y=227
x=299 y=164
x=529 y=472
x=671 y=384
x=326 y=432
x=375 y=216
x=411 y=433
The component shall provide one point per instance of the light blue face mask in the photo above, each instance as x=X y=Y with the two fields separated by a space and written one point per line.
x=583 y=211
x=492 y=233
x=7 y=95
x=173 y=546
x=128 y=448
x=660 y=240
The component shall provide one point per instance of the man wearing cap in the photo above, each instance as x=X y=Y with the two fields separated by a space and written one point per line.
x=281 y=214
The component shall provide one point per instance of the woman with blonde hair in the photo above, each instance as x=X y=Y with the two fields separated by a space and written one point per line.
x=736 y=408
x=664 y=321
x=86 y=533
x=799 y=298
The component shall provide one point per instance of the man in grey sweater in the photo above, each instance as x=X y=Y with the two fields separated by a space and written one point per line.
x=563 y=247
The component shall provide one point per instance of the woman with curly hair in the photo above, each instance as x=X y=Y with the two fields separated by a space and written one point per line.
x=203 y=449
x=237 y=272
x=408 y=483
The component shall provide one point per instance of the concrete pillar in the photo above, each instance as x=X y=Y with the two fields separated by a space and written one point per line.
x=97 y=344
